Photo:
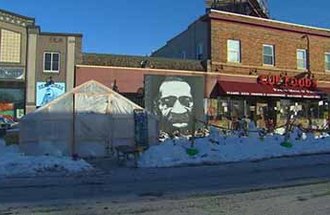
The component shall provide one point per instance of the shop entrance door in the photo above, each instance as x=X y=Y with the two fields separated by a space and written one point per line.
x=261 y=112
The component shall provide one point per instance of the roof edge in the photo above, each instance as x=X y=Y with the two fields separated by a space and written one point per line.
x=18 y=15
x=272 y=21
x=61 y=34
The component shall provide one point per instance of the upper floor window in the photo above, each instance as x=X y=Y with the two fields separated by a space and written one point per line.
x=199 y=51
x=10 y=48
x=183 y=55
x=301 y=59
x=51 y=62
x=327 y=61
x=268 y=55
x=233 y=51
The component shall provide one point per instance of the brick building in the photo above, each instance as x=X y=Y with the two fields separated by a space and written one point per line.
x=258 y=67
x=28 y=59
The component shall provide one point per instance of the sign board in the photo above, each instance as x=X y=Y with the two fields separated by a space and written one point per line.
x=141 y=127
x=287 y=81
x=47 y=93
x=11 y=73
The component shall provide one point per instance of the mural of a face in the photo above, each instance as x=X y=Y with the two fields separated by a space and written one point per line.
x=175 y=102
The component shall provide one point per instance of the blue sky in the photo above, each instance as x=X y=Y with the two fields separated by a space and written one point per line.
x=136 y=27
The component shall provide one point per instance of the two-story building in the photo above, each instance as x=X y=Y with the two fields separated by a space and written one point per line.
x=258 y=67
x=35 y=66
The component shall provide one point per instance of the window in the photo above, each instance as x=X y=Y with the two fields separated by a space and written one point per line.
x=233 y=51
x=327 y=61
x=301 y=59
x=199 y=51
x=268 y=55
x=51 y=62
x=183 y=55
x=10 y=49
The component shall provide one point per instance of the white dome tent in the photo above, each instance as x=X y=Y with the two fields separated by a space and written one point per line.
x=88 y=121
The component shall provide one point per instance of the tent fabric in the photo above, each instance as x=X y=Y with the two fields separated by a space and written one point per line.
x=255 y=89
x=89 y=121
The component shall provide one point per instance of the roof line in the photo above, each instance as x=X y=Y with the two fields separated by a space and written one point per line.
x=149 y=69
x=139 y=56
x=18 y=15
x=271 y=20
x=61 y=34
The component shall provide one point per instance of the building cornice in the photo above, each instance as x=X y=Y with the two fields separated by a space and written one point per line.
x=16 y=19
x=61 y=34
x=268 y=23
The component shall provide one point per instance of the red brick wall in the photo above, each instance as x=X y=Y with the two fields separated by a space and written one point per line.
x=253 y=33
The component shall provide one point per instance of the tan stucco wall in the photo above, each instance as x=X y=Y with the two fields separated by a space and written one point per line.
x=51 y=43
x=31 y=73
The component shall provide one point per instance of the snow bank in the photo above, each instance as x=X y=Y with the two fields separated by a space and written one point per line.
x=13 y=164
x=218 y=148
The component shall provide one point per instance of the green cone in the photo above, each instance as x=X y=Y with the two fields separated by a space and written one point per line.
x=192 y=151
x=286 y=144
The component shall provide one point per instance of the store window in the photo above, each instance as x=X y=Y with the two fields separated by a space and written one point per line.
x=268 y=55
x=233 y=51
x=301 y=59
x=12 y=102
x=51 y=62
x=327 y=61
x=10 y=48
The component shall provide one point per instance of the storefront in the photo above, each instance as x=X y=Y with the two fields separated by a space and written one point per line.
x=269 y=99
x=12 y=92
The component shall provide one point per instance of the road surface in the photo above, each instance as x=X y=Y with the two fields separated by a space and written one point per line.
x=113 y=187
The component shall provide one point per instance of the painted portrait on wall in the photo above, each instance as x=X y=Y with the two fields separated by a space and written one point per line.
x=176 y=100
x=47 y=93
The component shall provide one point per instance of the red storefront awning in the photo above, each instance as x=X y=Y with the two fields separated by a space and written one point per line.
x=324 y=90
x=255 y=89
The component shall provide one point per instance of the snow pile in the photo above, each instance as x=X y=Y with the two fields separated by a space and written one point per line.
x=219 y=147
x=13 y=164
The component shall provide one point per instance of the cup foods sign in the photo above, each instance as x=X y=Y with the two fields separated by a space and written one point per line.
x=287 y=81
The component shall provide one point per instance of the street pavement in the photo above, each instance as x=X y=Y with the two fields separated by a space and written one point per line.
x=114 y=183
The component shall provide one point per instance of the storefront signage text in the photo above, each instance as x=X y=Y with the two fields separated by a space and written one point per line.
x=287 y=81
x=11 y=73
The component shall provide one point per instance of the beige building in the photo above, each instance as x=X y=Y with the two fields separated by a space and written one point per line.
x=30 y=58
